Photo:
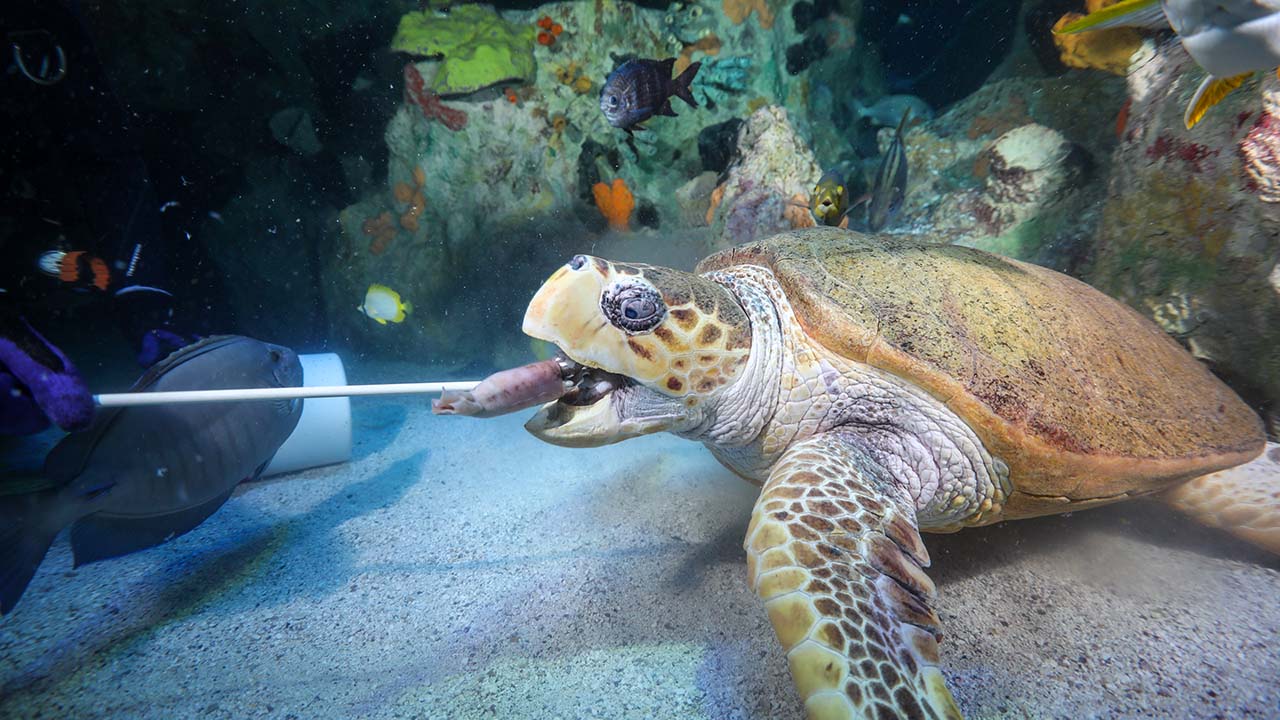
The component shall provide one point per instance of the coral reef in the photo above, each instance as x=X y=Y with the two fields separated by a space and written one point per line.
x=549 y=30
x=412 y=197
x=720 y=77
x=570 y=75
x=767 y=188
x=1025 y=171
x=1001 y=119
x=528 y=153
x=707 y=45
x=804 y=53
x=477 y=46
x=689 y=22
x=615 y=203
x=694 y=198
x=535 y=143
x=1260 y=151
x=1191 y=227
x=965 y=185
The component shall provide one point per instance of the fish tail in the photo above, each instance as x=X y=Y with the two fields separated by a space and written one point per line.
x=902 y=124
x=28 y=525
x=1126 y=13
x=1210 y=93
x=682 y=85
x=407 y=307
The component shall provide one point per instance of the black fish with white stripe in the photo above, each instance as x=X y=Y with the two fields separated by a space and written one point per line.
x=890 y=186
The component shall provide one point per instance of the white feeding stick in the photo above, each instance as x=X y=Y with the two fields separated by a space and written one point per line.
x=135 y=399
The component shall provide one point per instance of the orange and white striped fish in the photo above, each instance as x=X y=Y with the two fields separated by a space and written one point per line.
x=77 y=268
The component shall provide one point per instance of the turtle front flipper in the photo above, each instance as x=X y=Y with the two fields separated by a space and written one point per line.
x=833 y=551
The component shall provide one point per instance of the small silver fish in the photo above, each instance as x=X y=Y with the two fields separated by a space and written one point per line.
x=890 y=186
x=886 y=111
x=139 y=476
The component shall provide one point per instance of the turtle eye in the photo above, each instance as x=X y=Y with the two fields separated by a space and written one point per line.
x=633 y=308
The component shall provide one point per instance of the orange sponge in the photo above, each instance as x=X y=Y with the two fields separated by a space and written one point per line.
x=1108 y=50
x=615 y=203
x=738 y=10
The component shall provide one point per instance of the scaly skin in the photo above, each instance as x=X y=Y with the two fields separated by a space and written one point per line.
x=833 y=553
x=833 y=547
x=1243 y=500
x=938 y=460
x=853 y=459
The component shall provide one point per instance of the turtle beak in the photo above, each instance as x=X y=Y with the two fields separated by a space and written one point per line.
x=600 y=423
x=566 y=309
x=609 y=405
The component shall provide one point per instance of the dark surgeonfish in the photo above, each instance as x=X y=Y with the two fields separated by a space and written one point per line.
x=139 y=476
x=640 y=89
x=890 y=186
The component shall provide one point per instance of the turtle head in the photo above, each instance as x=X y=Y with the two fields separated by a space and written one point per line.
x=653 y=346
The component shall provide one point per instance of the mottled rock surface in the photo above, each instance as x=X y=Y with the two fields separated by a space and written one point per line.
x=767 y=190
x=1191 y=229
x=1016 y=168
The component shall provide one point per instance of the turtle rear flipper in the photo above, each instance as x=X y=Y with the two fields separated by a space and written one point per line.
x=833 y=551
x=1243 y=500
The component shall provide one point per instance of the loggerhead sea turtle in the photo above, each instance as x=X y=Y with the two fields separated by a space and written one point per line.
x=877 y=387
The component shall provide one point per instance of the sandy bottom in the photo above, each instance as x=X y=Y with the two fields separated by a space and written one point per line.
x=460 y=569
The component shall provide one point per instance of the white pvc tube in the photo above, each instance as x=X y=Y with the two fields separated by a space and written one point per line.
x=323 y=433
x=135 y=399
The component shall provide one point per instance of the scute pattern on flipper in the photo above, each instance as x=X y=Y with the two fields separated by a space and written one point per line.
x=1244 y=500
x=833 y=552
x=1078 y=394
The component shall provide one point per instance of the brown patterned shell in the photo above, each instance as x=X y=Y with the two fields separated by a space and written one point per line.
x=1083 y=398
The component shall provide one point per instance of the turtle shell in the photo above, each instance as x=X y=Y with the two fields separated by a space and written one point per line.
x=1084 y=399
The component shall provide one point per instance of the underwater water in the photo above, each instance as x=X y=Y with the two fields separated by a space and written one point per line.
x=754 y=303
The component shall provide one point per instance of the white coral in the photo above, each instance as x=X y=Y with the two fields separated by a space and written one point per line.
x=1260 y=148
x=1027 y=170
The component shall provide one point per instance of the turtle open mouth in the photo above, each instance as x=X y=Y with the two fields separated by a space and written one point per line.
x=601 y=407
x=590 y=384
